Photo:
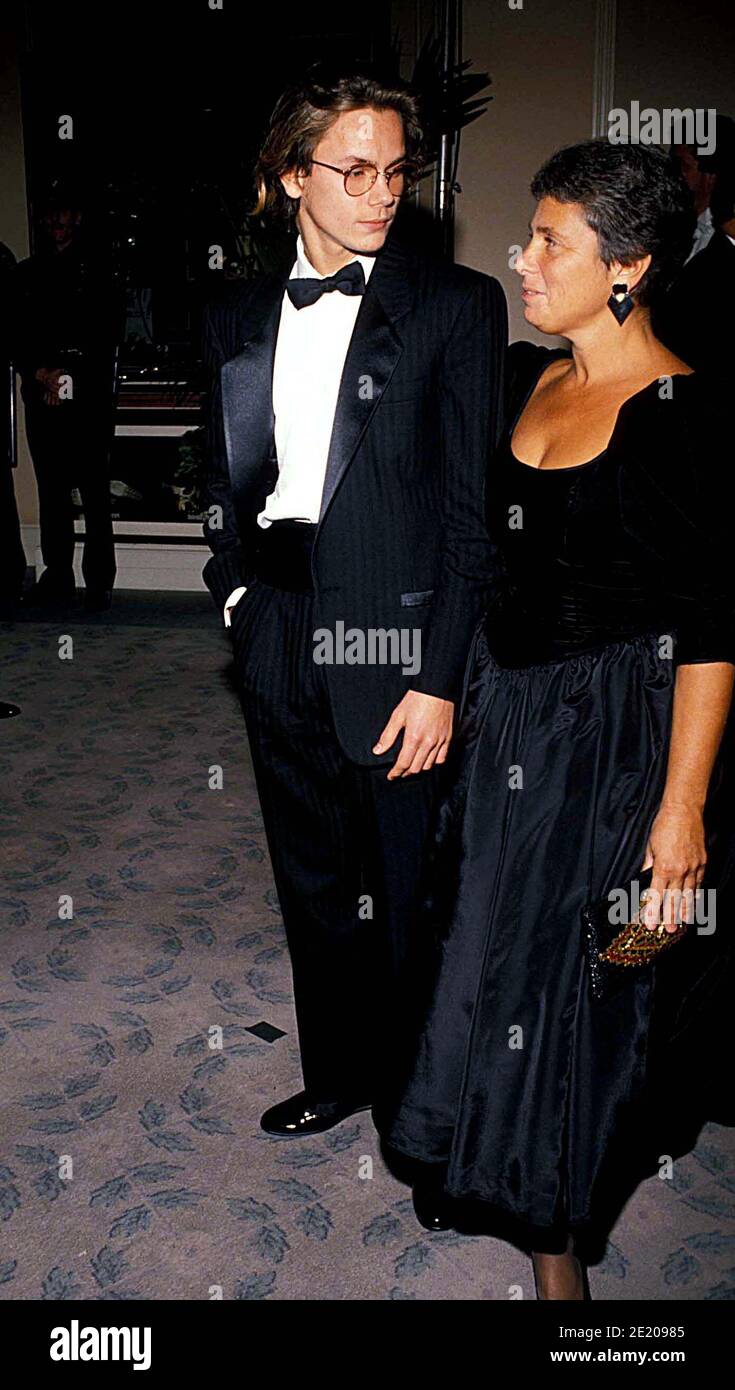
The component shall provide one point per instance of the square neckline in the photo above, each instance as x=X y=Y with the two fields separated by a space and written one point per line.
x=568 y=467
x=571 y=467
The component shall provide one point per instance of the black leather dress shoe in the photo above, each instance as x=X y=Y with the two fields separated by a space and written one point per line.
x=51 y=591
x=431 y=1204
x=301 y=1114
x=97 y=600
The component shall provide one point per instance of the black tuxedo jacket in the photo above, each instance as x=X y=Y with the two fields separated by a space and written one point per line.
x=696 y=319
x=401 y=540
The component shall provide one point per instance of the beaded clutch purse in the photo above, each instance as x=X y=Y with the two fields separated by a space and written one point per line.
x=611 y=949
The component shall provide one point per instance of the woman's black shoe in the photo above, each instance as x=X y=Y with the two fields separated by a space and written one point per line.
x=431 y=1204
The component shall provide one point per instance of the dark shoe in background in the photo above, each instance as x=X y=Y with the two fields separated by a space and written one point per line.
x=10 y=608
x=97 y=600
x=51 y=591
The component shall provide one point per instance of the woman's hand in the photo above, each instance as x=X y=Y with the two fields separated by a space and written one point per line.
x=676 y=849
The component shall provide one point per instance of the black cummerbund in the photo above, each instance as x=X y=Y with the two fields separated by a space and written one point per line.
x=283 y=557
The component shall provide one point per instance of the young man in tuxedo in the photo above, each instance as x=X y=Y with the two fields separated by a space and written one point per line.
x=352 y=406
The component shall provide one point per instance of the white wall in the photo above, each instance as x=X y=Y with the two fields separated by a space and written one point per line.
x=541 y=60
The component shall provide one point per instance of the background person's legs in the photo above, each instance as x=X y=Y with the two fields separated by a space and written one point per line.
x=92 y=477
x=12 y=555
x=49 y=442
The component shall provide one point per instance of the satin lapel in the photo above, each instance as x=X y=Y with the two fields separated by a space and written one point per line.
x=247 y=386
x=374 y=350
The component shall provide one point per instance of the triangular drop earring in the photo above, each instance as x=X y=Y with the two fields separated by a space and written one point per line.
x=620 y=303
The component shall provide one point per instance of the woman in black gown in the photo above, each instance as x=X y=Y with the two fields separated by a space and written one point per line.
x=589 y=743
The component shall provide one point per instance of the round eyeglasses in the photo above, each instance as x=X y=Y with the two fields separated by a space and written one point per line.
x=361 y=177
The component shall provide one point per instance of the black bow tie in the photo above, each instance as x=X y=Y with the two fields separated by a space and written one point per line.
x=350 y=280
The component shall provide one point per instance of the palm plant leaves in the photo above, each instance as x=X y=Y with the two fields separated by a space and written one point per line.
x=449 y=97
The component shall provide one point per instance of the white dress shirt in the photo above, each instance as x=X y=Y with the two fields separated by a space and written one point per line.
x=703 y=233
x=310 y=356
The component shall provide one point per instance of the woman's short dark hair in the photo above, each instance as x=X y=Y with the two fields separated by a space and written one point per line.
x=307 y=109
x=633 y=199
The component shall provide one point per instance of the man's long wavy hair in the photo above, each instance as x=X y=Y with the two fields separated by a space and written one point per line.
x=305 y=112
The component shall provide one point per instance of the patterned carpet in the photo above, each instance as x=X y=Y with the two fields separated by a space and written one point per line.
x=141 y=950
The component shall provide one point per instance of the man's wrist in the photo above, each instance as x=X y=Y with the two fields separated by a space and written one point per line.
x=444 y=698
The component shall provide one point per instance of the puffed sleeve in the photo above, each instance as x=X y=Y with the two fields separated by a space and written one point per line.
x=676 y=493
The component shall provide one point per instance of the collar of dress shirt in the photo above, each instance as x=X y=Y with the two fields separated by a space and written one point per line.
x=303 y=269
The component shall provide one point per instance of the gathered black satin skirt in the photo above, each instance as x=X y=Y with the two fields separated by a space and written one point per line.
x=530 y=1091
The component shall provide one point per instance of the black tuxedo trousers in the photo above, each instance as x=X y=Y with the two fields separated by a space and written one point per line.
x=346 y=848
